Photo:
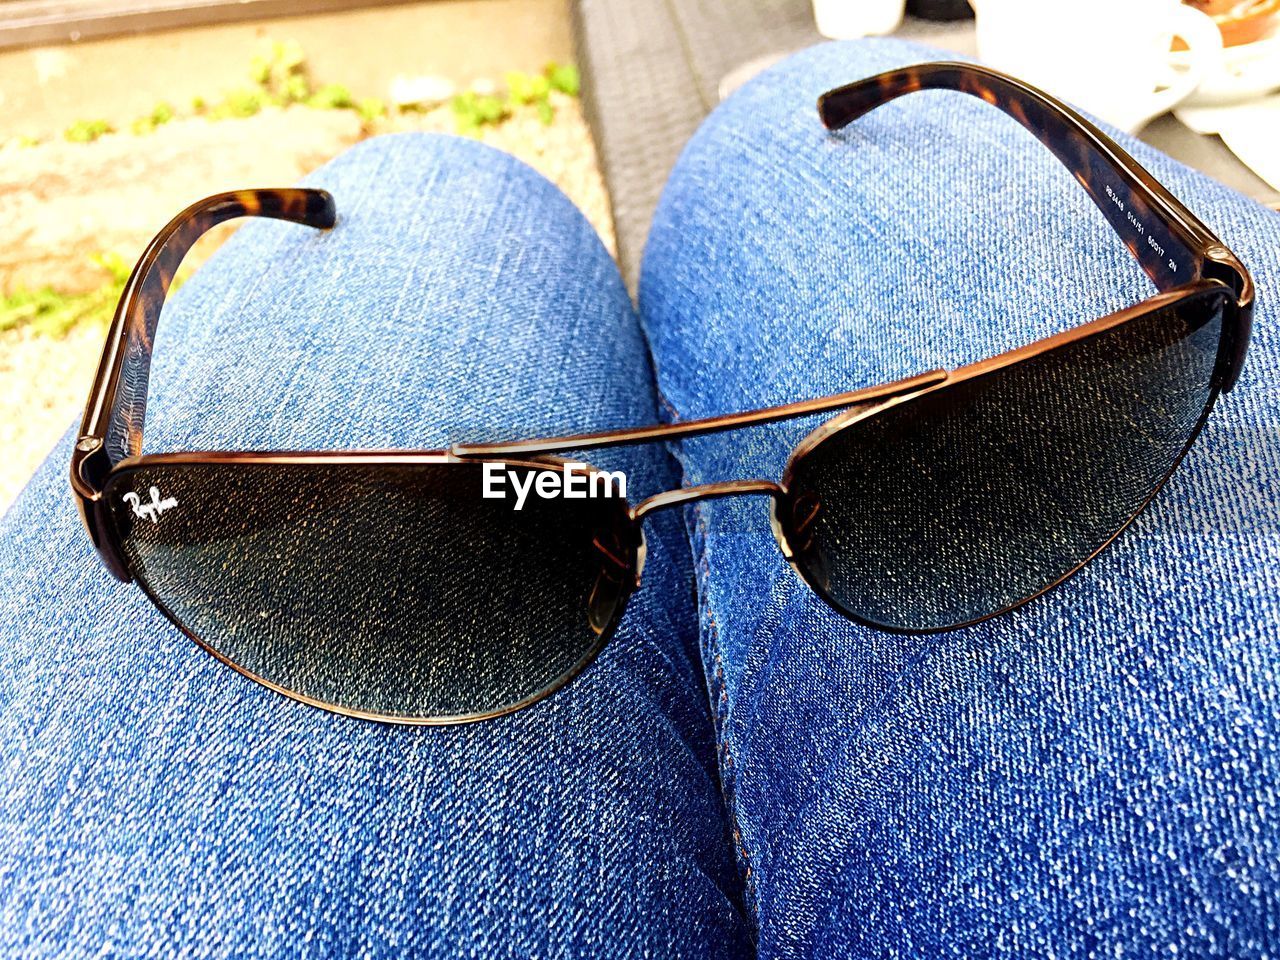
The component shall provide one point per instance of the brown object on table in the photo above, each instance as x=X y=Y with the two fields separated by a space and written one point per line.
x=1241 y=21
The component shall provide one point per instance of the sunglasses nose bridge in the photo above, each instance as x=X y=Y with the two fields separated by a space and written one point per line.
x=706 y=491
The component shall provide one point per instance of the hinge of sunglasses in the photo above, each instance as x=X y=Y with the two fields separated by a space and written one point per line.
x=89 y=467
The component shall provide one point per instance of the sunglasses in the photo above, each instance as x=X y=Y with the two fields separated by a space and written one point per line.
x=444 y=586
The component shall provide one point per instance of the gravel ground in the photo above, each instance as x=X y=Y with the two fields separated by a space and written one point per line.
x=64 y=201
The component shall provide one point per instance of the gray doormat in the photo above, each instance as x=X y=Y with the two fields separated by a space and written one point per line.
x=651 y=71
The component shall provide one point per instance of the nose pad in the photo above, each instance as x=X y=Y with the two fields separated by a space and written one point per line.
x=620 y=563
x=795 y=524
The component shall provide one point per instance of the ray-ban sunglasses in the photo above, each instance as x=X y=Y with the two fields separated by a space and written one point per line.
x=396 y=586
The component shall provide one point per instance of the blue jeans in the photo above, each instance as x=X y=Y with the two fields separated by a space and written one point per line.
x=1093 y=775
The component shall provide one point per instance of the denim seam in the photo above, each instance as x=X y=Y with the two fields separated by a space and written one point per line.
x=717 y=692
x=673 y=415
x=721 y=709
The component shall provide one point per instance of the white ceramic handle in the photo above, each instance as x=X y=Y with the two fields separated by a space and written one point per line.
x=1204 y=54
x=848 y=19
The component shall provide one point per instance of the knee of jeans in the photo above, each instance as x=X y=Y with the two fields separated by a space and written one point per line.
x=460 y=296
x=932 y=232
x=412 y=161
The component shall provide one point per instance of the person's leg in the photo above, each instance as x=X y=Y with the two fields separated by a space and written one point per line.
x=1091 y=775
x=155 y=802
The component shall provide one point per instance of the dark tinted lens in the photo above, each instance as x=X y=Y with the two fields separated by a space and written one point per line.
x=386 y=589
x=971 y=498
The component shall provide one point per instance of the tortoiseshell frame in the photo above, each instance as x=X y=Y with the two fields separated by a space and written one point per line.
x=1178 y=252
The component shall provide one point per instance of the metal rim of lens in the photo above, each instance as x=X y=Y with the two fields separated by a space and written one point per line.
x=370 y=458
x=854 y=418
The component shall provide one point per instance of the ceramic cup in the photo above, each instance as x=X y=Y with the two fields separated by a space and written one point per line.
x=848 y=19
x=1112 y=58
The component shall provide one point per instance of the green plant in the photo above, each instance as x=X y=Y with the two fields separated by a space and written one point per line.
x=160 y=114
x=526 y=88
x=238 y=104
x=371 y=108
x=564 y=78
x=50 y=313
x=280 y=78
x=332 y=96
x=473 y=110
x=282 y=73
x=86 y=131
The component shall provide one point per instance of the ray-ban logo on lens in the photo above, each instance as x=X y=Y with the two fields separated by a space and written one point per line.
x=573 y=482
x=152 y=509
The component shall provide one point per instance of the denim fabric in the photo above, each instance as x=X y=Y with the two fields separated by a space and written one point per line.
x=1093 y=775
x=153 y=802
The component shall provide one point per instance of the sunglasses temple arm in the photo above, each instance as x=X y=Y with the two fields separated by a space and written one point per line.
x=1167 y=240
x=706 y=425
x=113 y=417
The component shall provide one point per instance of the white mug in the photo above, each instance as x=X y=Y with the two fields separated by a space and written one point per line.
x=1110 y=57
x=848 y=19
